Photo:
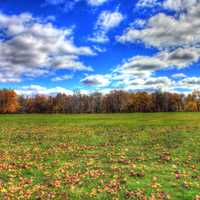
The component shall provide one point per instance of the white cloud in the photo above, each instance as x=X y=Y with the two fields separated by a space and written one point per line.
x=180 y=5
x=32 y=90
x=181 y=57
x=176 y=5
x=138 y=23
x=150 y=84
x=137 y=73
x=96 y=80
x=147 y=3
x=31 y=47
x=165 y=84
x=145 y=66
x=158 y=81
x=5 y=78
x=62 y=78
x=96 y=2
x=189 y=83
x=107 y=20
x=177 y=39
x=141 y=66
x=99 y=37
x=179 y=76
x=164 y=31
x=39 y=90
x=153 y=83
x=99 y=49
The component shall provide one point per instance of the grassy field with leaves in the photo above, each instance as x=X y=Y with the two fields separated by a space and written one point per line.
x=106 y=156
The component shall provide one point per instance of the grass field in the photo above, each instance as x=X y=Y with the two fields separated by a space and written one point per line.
x=119 y=156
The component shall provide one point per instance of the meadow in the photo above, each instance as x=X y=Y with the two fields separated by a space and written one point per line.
x=138 y=156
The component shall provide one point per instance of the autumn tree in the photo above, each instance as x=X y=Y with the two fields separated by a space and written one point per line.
x=191 y=103
x=113 y=102
x=8 y=101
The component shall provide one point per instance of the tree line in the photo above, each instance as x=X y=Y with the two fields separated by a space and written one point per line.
x=114 y=102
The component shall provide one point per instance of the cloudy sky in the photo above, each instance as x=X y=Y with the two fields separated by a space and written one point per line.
x=50 y=46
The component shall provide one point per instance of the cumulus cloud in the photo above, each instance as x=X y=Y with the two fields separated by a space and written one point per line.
x=145 y=66
x=181 y=57
x=5 y=78
x=138 y=72
x=164 y=83
x=150 y=84
x=164 y=31
x=96 y=80
x=176 y=37
x=190 y=81
x=176 y=5
x=39 y=90
x=158 y=81
x=141 y=66
x=107 y=20
x=180 y=5
x=31 y=47
x=188 y=84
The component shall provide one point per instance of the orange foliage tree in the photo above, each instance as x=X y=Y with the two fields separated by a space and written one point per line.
x=8 y=101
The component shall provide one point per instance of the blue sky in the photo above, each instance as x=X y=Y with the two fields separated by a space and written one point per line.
x=50 y=46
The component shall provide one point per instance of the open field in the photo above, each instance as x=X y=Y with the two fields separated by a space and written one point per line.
x=119 y=156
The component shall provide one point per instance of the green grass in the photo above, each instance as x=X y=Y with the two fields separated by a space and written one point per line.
x=105 y=156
